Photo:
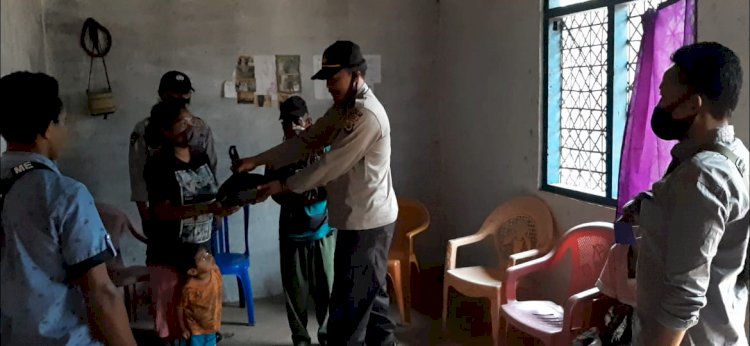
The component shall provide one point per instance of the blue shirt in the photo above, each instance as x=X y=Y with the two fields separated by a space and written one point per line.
x=303 y=217
x=53 y=235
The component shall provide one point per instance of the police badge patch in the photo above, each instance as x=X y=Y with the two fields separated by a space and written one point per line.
x=351 y=118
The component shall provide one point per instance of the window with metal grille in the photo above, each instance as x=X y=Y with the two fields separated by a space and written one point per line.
x=590 y=50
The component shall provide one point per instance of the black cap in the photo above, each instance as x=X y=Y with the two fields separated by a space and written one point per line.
x=175 y=81
x=292 y=109
x=338 y=56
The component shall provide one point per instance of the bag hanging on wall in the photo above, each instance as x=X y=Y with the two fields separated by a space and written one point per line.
x=96 y=40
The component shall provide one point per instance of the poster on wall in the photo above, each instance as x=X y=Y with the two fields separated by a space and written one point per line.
x=230 y=91
x=373 y=75
x=288 y=78
x=245 y=91
x=265 y=77
x=244 y=79
x=264 y=101
x=265 y=74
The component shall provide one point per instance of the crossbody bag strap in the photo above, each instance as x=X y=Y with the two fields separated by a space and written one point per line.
x=727 y=153
x=5 y=185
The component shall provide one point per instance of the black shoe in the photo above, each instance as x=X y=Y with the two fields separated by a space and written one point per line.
x=221 y=336
x=302 y=343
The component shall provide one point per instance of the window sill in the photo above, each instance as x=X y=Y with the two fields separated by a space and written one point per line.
x=578 y=195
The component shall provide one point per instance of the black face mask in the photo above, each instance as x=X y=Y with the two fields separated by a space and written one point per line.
x=176 y=99
x=668 y=128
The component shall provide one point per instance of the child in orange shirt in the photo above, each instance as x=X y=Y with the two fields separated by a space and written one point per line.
x=199 y=312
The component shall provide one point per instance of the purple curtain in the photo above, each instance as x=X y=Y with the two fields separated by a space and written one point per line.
x=644 y=156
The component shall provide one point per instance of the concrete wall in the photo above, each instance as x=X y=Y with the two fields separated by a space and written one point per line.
x=728 y=22
x=203 y=39
x=489 y=62
x=22 y=37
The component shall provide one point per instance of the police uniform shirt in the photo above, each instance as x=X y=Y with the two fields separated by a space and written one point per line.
x=357 y=170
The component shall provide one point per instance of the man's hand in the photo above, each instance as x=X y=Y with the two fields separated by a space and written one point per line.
x=143 y=210
x=268 y=190
x=245 y=165
x=227 y=211
x=184 y=331
x=631 y=211
x=655 y=334
x=106 y=310
x=218 y=210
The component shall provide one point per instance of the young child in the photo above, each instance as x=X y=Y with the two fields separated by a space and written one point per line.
x=199 y=312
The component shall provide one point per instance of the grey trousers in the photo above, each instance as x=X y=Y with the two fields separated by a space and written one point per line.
x=359 y=302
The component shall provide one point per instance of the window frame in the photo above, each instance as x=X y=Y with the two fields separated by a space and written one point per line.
x=616 y=84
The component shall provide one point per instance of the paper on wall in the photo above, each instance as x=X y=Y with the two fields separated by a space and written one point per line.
x=229 y=90
x=288 y=75
x=373 y=74
x=244 y=79
x=265 y=74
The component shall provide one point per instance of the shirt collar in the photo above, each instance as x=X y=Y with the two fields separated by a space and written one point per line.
x=363 y=90
x=15 y=158
x=687 y=148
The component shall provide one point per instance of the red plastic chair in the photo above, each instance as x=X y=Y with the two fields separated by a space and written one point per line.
x=585 y=247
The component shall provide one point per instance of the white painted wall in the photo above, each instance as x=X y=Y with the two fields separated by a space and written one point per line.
x=728 y=22
x=22 y=38
x=489 y=95
x=490 y=87
x=203 y=39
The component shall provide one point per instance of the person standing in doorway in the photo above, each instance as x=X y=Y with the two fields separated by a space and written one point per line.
x=361 y=200
x=306 y=241
x=174 y=86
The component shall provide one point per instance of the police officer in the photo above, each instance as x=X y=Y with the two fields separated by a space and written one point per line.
x=362 y=203
x=174 y=86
